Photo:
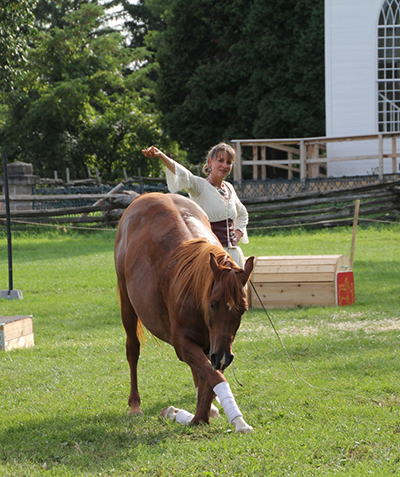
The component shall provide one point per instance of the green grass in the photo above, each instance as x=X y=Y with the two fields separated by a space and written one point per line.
x=63 y=403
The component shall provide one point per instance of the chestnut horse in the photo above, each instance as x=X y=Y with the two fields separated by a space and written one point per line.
x=176 y=279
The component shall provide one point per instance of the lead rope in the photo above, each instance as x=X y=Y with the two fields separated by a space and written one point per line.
x=234 y=375
x=281 y=342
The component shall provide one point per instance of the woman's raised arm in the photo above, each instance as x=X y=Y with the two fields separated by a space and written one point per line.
x=152 y=151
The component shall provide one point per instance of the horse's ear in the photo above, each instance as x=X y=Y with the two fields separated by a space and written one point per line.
x=247 y=271
x=214 y=266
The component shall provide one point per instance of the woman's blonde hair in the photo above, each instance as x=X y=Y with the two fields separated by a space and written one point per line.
x=213 y=153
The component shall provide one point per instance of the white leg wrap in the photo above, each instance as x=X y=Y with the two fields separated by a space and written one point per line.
x=214 y=411
x=184 y=417
x=224 y=393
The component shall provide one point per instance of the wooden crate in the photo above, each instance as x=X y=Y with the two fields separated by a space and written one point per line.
x=302 y=280
x=16 y=332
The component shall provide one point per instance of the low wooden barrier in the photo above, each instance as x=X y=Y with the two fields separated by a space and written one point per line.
x=302 y=280
x=16 y=332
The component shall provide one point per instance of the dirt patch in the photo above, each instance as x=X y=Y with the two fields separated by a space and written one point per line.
x=375 y=326
x=368 y=326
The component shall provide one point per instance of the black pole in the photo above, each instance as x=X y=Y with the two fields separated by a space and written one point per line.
x=8 y=224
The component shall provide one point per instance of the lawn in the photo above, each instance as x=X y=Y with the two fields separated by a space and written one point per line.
x=63 y=403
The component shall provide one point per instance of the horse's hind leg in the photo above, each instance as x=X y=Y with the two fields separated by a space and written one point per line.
x=214 y=412
x=130 y=322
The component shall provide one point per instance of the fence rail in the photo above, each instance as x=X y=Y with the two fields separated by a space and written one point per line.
x=323 y=202
x=326 y=209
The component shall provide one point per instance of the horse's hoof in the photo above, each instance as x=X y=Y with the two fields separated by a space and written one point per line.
x=241 y=425
x=244 y=430
x=135 y=411
x=214 y=411
x=169 y=413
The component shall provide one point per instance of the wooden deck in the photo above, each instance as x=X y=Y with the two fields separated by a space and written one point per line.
x=306 y=157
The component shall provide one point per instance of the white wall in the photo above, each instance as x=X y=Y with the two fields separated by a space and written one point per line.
x=350 y=81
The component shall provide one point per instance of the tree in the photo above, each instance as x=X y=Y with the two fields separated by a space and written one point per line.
x=138 y=19
x=82 y=102
x=240 y=68
x=16 y=32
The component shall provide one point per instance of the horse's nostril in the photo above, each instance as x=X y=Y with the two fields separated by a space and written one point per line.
x=220 y=363
x=229 y=360
x=215 y=362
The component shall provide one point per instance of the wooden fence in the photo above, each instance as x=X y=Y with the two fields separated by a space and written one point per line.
x=304 y=157
x=104 y=203
x=378 y=202
x=321 y=209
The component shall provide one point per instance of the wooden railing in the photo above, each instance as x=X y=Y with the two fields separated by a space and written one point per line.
x=304 y=157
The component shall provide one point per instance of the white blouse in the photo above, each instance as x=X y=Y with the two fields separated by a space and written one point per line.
x=209 y=199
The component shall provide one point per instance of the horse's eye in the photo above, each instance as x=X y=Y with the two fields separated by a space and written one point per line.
x=213 y=305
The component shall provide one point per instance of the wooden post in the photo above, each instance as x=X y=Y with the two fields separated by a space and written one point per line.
x=255 y=158
x=263 y=158
x=394 y=158
x=290 y=170
x=89 y=173
x=380 y=156
x=353 y=240
x=303 y=159
x=67 y=177
x=237 y=165
x=313 y=169
x=97 y=175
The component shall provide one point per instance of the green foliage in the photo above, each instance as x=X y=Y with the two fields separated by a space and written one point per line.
x=63 y=403
x=52 y=13
x=138 y=19
x=85 y=100
x=235 y=69
x=16 y=32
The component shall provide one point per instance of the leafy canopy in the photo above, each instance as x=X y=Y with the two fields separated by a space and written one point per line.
x=240 y=69
x=86 y=100
x=16 y=30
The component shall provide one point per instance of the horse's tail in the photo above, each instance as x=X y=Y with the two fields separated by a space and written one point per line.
x=141 y=335
x=140 y=332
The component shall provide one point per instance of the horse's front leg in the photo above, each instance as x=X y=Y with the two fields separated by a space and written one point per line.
x=194 y=356
x=198 y=382
x=205 y=395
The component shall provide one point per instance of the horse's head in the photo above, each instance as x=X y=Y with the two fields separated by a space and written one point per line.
x=227 y=304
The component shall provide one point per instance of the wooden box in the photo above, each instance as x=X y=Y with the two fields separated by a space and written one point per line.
x=302 y=280
x=16 y=332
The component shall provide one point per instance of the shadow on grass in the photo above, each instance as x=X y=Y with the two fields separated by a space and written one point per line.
x=80 y=441
x=56 y=247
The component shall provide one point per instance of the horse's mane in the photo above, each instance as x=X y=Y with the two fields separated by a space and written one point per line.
x=193 y=274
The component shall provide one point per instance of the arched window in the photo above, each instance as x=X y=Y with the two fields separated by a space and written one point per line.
x=389 y=67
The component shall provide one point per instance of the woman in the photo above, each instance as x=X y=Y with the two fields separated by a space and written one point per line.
x=227 y=215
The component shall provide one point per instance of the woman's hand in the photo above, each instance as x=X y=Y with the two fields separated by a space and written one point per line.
x=151 y=152
x=239 y=234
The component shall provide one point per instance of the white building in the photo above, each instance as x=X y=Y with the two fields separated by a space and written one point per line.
x=362 y=76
